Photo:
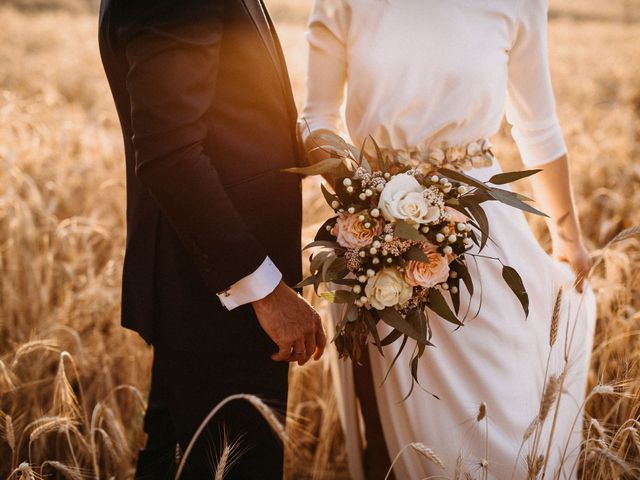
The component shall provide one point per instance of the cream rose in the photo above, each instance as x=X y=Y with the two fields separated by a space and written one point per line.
x=423 y=274
x=351 y=232
x=387 y=288
x=403 y=199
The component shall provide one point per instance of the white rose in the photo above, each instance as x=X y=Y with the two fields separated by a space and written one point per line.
x=403 y=199
x=388 y=288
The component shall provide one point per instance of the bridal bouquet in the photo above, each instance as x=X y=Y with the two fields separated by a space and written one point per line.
x=397 y=247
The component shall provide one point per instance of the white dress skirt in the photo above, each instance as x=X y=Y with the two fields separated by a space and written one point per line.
x=420 y=73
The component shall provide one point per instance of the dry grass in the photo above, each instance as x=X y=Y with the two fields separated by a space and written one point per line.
x=72 y=381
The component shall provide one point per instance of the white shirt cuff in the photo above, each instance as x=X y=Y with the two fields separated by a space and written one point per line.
x=253 y=287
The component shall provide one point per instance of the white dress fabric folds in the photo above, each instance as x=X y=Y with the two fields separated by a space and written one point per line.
x=426 y=72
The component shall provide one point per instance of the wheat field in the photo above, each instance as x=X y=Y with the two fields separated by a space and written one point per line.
x=73 y=383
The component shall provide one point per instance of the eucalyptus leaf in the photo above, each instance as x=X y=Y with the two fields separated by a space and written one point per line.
x=463 y=271
x=318 y=259
x=323 y=234
x=307 y=281
x=407 y=232
x=478 y=214
x=391 y=317
x=328 y=196
x=509 y=177
x=513 y=279
x=324 y=166
x=439 y=305
x=382 y=161
x=391 y=337
x=511 y=199
x=462 y=178
x=339 y=296
x=395 y=358
x=324 y=244
x=371 y=322
x=416 y=253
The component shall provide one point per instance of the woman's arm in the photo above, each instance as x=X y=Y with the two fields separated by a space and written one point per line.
x=326 y=74
x=554 y=194
x=531 y=110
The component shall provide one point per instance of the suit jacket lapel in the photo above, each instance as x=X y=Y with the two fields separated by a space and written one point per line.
x=260 y=20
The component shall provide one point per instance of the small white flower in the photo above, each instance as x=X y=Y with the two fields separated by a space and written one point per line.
x=445 y=286
x=474 y=149
x=351 y=210
x=364 y=299
x=346 y=182
x=453 y=274
x=362 y=254
x=452 y=238
x=462 y=189
x=461 y=227
x=371 y=272
x=388 y=237
x=377 y=244
x=425 y=229
x=357 y=289
x=373 y=250
x=439 y=238
x=350 y=189
x=447 y=250
x=435 y=179
x=375 y=213
x=368 y=192
x=335 y=204
x=362 y=196
x=375 y=261
x=362 y=278
x=454 y=289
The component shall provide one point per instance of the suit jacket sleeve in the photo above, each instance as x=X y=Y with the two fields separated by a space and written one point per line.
x=171 y=77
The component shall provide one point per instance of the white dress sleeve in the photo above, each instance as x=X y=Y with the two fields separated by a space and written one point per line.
x=327 y=70
x=530 y=107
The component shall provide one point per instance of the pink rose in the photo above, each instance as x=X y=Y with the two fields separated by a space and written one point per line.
x=423 y=274
x=351 y=232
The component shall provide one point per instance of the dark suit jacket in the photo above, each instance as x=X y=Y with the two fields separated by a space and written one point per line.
x=208 y=120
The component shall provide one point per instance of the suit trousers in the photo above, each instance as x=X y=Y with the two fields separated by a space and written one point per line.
x=185 y=387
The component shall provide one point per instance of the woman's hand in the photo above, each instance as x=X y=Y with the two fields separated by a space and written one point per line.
x=552 y=190
x=315 y=154
x=575 y=254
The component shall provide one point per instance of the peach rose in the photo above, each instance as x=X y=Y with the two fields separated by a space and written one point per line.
x=351 y=232
x=423 y=274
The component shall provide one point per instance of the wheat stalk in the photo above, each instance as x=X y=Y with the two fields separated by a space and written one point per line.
x=555 y=318
x=423 y=450
x=482 y=412
x=67 y=471
x=260 y=406
x=548 y=398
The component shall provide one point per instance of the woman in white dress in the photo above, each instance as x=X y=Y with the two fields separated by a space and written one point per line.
x=423 y=74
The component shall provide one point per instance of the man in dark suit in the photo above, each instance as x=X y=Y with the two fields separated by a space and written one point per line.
x=213 y=225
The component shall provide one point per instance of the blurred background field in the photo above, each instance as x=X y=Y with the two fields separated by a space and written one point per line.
x=78 y=414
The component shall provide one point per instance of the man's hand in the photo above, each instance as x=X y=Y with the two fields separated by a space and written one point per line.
x=292 y=324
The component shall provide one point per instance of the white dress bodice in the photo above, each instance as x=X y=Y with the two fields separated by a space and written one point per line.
x=425 y=72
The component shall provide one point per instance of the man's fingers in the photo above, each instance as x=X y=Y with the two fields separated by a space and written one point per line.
x=321 y=341
x=283 y=355
x=310 y=347
x=299 y=352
